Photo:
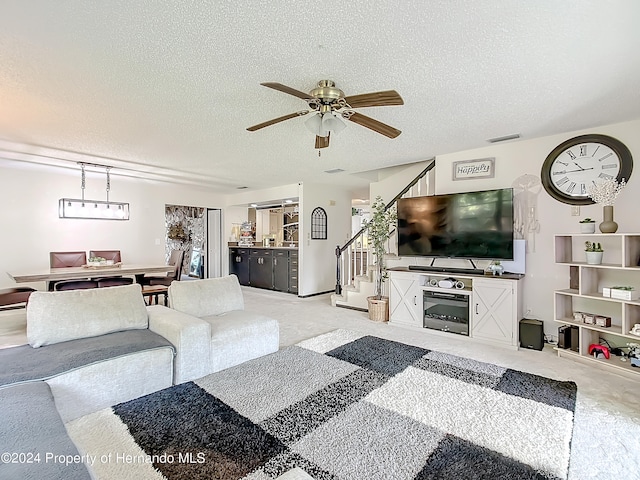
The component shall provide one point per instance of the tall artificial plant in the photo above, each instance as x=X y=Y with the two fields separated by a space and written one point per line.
x=378 y=231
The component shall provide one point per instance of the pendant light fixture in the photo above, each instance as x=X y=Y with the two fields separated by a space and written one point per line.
x=93 y=209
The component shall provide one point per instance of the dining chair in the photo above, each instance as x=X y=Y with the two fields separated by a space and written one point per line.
x=114 y=281
x=65 y=259
x=109 y=255
x=16 y=297
x=75 y=285
x=176 y=259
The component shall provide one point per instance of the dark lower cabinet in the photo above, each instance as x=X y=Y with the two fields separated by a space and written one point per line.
x=293 y=271
x=270 y=268
x=261 y=268
x=239 y=264
x=281 y=270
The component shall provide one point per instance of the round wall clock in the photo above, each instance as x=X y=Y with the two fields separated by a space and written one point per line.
x=581 y=161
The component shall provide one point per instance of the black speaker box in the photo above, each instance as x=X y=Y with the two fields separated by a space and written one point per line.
x=564 y=336
x=575 y=339
x=531 y=334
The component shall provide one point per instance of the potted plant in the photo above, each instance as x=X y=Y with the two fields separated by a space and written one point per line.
x=594 y=253
x=378 y=232
x=587 y=225
x=96 y=261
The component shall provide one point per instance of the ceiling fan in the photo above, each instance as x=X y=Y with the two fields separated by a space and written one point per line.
x=329 y=103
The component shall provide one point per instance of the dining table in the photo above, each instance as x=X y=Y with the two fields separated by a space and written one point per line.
x=73 y=273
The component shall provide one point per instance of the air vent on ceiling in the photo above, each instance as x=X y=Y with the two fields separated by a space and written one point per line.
x=335 y=170
x=241 y=188
x=504 y=139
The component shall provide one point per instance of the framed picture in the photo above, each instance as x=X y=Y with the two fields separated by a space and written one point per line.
x=195 y=263
x=472 y=169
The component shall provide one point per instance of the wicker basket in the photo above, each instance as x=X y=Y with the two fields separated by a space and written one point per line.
x=378 y=309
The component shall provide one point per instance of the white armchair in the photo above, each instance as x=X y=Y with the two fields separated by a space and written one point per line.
x=237 y=335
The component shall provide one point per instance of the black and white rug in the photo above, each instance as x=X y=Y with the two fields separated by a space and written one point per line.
x=340 y=406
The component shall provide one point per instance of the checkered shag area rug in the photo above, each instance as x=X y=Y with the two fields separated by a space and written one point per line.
x=340 y=406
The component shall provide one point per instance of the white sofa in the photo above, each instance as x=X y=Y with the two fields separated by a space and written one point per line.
x=88 y=350
x=99 y=347
x=236 y=335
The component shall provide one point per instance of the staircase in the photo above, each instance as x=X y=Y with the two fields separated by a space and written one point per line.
x=355 y=267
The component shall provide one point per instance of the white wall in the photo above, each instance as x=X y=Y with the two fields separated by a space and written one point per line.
x=317 y=257
x=30 y=227
x=517 y=158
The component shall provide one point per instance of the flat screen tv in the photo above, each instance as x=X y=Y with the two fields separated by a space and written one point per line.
x=474 y=225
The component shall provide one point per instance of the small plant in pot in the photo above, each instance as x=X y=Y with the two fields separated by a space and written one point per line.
x=378 y=232
x=587 y=225
x=593 y=252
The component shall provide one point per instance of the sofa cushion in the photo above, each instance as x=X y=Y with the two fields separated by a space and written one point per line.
x=54 y=317
x=22 y=364
x=211 y=296
x=31 y=425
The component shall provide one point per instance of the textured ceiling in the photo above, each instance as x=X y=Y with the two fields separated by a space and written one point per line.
x=168 y=87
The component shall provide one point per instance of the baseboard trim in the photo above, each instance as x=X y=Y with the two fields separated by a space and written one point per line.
x=315 y=294
x=349 y=307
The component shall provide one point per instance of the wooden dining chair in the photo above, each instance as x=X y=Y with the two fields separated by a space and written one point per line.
x=176 y=260
x=65 y=259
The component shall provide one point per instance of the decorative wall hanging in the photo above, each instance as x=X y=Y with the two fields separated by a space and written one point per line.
x=526 y=189
x=318 y=224
x=473 y=169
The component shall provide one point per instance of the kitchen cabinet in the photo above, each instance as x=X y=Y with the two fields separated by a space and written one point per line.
x=281 y=270
x=239 y=264
x=261 y=268
x=293 y=271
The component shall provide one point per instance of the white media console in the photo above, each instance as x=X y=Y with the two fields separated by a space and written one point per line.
x=494 y=303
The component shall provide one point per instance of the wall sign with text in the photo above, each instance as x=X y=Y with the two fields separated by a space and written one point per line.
x=472 y=169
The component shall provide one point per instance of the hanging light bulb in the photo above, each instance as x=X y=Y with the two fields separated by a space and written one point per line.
x=331 y=123
x=315 y=125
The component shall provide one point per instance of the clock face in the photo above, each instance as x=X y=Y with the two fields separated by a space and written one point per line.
x=573 y=166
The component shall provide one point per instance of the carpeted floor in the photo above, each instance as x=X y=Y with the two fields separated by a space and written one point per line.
x=606 y=433
x=341 y=406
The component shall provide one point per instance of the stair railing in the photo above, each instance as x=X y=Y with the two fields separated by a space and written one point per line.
x=352 y=258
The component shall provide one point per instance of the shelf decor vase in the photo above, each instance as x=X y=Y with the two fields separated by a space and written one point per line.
x=589 y=227
x=608 y=225
x=594 y=258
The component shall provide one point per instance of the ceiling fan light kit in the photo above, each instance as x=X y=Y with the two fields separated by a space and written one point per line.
x=329 y=103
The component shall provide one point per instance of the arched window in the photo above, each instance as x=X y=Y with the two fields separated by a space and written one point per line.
x=318 y=224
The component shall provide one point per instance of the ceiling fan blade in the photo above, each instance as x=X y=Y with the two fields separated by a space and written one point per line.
x=375 y=99
x=289 y=90
x=277 y=120
x=322 y=142
x=372 y=124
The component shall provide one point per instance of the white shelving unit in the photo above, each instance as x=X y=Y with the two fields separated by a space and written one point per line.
x=619 y=267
